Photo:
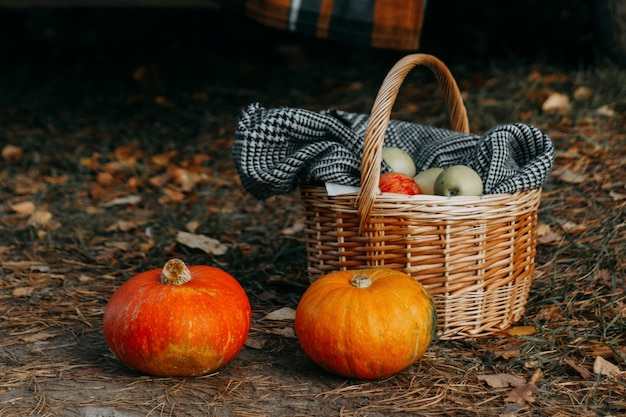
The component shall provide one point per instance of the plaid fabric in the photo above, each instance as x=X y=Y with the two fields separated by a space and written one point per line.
x=388 y=24
x=276 y=150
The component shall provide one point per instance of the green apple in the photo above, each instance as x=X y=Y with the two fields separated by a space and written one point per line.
x=458 y=180
x=426 y=179
x=399 y=161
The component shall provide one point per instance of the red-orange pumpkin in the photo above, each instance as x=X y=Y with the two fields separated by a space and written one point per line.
x=178 y=320
x=365 y=324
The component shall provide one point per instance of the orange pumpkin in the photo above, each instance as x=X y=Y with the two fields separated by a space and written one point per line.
x=178 y=320
x=365 y=324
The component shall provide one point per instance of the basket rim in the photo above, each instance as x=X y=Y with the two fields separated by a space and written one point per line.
x=427 y=198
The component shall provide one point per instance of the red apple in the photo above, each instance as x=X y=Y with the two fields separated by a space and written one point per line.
x=395 y=182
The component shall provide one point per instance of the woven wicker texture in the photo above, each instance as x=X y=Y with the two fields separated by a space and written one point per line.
x=474 y=254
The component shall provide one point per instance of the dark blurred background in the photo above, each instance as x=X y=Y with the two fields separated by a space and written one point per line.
x=121 y=59
x=570 y=32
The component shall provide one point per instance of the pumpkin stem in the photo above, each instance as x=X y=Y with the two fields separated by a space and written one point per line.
x=175 y=272
x=360 y=281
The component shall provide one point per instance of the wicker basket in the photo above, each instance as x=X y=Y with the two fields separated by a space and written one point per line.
x=474 y=254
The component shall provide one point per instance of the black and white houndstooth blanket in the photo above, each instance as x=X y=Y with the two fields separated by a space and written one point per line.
x=276 y=150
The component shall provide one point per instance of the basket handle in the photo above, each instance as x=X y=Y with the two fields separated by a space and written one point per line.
x=379 y=120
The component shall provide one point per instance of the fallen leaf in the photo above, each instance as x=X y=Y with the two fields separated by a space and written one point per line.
x=21 y=265
x=24 y=208
x=174 y=195
x=557 y=103
x=285 y=313
x=40 y=268
x=127 y=200
x=584 y=372
x=288 y=332
x=617 y=196
x=192 y=226
x=502 y=380
x=61 y=179
x=40 y=218
x=37 y=337
x=293 y=229
x=520 y=331
x=571 y=153
x=549 y=236
x=532 y=364
x=105 y=179
x=572 y=177
x=159 y=181
x=508 y=353
x=182 y=177
x=185 y=178
x=549 y=312
x=115 y=168
x=255 y=343
x=123 y=246
x=572 y=227
x=97 y=192
x=202 y=242
x=522 y=394
x=134 y=183
x=122 y=226
x=128 y=154
x=93 y=210
x=23 y=291
x=603 y=367
x=606 y=110
x=146 y=246
x=536 y=376
x=582 y=93
x=11 y=153
x=163 y=159
x=91 y=163
x=542 y=229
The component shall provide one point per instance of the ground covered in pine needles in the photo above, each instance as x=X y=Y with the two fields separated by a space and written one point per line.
x=116 y=156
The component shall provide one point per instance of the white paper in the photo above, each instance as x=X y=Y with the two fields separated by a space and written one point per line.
x=334 y=189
